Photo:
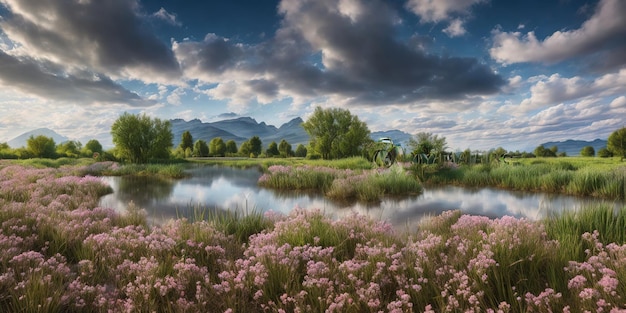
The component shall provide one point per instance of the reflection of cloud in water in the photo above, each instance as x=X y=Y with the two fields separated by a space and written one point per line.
x=235 y=189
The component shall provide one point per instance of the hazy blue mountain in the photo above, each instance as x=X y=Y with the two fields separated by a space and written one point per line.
x=573 y=147
x=20 y=141
x=240 y=130
x=398 y=137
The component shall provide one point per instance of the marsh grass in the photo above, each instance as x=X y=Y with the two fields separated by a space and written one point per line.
x=575 y=177
x=304 y=261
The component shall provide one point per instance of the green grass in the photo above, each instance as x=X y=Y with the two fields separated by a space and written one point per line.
x=346 y=163
x=603 y=178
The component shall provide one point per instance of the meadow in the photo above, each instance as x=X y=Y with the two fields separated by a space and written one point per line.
x=62 y=253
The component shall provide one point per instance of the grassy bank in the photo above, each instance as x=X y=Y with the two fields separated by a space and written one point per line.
x=576 y=176
x=363 y=185
x=61 y=253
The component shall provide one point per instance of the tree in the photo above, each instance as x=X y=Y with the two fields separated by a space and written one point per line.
x=217 y=147
x=604 y=153
x=256 y=146
x=617 y=143
x=541 y=151
x=284 y=148
x=41 y=146
x=139 y=138
x=272 y=149
x=69 y=148
x=587 y=151
x=335 y=133
x=427 y=143
x=200 y=148
x=93 y=146
x=231 y=147
x=245 y=148
x=301 y=151
x=186 y=141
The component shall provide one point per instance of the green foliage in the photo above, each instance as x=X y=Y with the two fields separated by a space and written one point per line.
x=245 y=149
x=427 y=143
x=217 y=147
x=301 y=151
x=587 y=151
x=541 y=151
x=604 y=153
x=200 y=148
x=256 y=146
x=272 y=149
x=617 y=143
x=139 y=138
x=284 y=148
x=41 y=146
x=69 y=148
x=94 y=146
x=335 y=133
x=186 y=141
x=231 y=147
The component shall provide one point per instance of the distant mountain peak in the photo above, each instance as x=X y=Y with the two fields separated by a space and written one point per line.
x=21 y=140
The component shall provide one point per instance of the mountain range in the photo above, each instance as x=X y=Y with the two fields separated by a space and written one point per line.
x=573 y=147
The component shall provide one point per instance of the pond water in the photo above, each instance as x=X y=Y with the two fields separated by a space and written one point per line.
x=226 y=188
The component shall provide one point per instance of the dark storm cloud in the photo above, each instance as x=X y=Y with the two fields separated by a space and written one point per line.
x=325 y=49
x=31 y=77
x=104 y=36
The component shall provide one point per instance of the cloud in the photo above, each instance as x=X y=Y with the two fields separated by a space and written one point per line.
x=455 y=28
x=107 y=37
x=601 y=35
x=556 y=89
x=167 y=17
x=45 y=81
x=361 y=61
x=440 y=10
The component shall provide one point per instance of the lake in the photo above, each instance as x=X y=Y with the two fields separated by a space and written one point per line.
x=226 y=188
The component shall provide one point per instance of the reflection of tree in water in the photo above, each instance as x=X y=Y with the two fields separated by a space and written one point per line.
x=144 y=190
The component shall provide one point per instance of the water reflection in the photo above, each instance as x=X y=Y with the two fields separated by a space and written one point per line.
x=225 y=188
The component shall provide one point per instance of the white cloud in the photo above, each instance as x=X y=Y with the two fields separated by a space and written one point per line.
x=556 y=89
x=440 y=10
x=455 y=28
x=604 y=29
x=168 y=17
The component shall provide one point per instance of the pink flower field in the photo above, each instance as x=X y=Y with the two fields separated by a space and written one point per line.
x=60 y=252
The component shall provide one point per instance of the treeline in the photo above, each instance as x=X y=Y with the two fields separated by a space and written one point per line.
x=46 y=147
x=252 y=148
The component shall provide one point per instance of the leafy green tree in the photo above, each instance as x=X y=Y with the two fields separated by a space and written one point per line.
x=245 y=148
x=617 y=143
x=200 y=148
x=69 y=148
x=93 y=146
x=335 y=133
x=231 y=147
x=604 y=153
x=272 y=149
x=301 y=151
x=285 y=149
x=587 y=151
x=186 y=141
x=427 y=143
x=41 y=146
x=139 y=138
x=217 y=147
x=256 y=146
x=541 y=151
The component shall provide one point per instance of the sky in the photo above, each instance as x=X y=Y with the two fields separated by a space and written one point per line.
x=481 y=73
